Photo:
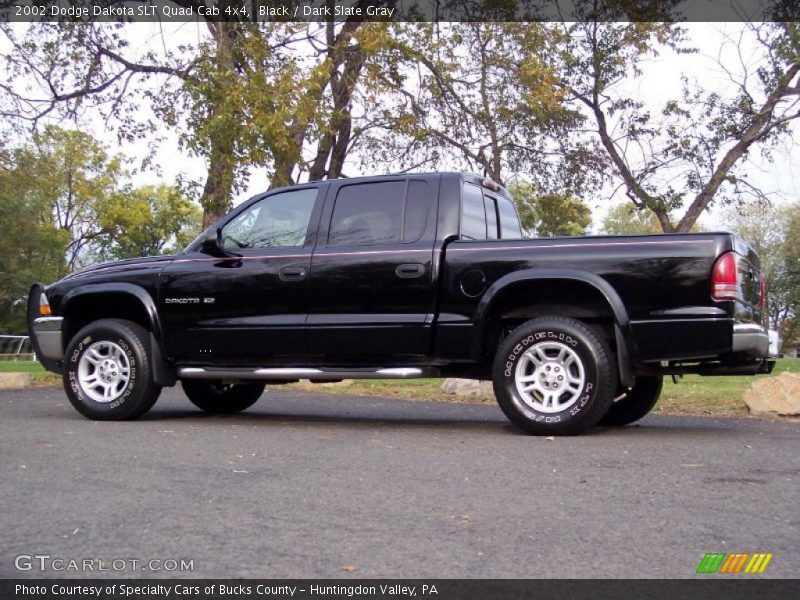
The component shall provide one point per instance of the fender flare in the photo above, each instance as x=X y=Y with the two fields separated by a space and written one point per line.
x=128 y=289
x=626 y=350
x=163 y=373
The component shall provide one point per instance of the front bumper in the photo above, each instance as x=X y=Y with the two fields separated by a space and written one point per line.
x=751 y=339
x=47 y=331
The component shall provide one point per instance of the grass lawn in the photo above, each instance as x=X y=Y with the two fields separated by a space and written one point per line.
x=713 y=395
x=692 y=395
x=38 y=374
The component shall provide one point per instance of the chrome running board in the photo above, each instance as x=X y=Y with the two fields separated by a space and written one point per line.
x=304 y=373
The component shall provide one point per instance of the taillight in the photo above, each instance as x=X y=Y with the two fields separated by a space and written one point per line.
x=724 y=278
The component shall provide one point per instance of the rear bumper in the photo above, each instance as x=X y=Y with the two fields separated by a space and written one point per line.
x=750 y=339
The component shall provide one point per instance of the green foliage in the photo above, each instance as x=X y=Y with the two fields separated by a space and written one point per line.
x=72 y=173
x=146 y=221
x=62 y=205
x=551 y=103
x=774 y=232
x=548 y=215
x=31 y=245
x=482 y=95
x=626 y=219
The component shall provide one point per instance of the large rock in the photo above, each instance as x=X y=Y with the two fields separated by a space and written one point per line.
x=467 y=387
x=15 y=381
x=330 y=384
x=774 y=395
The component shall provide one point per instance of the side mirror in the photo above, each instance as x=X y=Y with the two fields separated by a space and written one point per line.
x=212 y=243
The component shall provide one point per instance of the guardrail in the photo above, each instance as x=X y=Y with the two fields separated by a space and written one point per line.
x=16 y=347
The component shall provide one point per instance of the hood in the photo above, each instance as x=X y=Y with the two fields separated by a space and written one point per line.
x=128 y=264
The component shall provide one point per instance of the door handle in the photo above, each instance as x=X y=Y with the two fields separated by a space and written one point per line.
x=410 y=270
x=292 y=273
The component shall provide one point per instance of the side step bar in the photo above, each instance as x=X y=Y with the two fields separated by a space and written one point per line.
x=304 y=373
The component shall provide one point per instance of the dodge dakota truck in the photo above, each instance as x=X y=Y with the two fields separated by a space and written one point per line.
x=402 y=276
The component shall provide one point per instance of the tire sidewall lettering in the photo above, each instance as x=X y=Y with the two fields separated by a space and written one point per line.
x=549 y=334
x=72 y=370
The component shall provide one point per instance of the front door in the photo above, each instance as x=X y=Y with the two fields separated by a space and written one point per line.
x=249 y=306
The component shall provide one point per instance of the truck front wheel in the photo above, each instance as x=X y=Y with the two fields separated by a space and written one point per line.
x=554 y=376
x=634 y=403
x=107 y=371
x=219 y=398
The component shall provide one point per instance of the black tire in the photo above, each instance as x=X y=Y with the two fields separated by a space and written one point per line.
x=218 y=398
x=107 y=371
x=587 y=372
x=634 y=403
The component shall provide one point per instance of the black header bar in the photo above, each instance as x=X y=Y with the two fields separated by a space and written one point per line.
x=712 y=588
x=266 y=11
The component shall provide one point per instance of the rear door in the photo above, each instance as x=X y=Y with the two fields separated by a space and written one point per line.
x=372 y=295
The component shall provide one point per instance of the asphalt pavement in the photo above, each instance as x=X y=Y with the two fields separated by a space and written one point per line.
x=315 y=485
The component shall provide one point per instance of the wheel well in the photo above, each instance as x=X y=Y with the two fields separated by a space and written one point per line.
x=85 y=309
x=530 y=299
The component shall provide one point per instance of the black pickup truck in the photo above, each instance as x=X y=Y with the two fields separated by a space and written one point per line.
x=402 y=276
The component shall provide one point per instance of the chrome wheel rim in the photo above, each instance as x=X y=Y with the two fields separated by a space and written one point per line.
x=549 y=377
x=104 y=371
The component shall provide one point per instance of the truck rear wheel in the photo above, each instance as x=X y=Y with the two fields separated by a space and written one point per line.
x=107 y=371
x=635 y=402
x=219 y=398
x=554 y=376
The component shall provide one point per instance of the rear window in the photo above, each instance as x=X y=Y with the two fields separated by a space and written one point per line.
x=418 y=202
x=510 y=227
x=380 y=213
x=473 y=213
x=492 y=228
x=485 y=215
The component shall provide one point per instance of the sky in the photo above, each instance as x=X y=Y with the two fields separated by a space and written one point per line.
x=661 y=79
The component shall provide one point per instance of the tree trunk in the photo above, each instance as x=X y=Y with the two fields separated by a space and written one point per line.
x=216 y=198
x=331 y=144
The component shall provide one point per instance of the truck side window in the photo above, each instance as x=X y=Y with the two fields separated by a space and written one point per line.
x=368 y=213
x=510 y=227
x=491 y=218
x=280 y=220
x=418 y=202
x=473 y=213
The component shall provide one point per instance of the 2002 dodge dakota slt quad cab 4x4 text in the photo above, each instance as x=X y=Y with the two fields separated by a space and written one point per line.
x=400 y=276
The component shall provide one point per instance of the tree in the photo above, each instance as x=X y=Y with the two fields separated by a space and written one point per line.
x=71 y=174
x=774 y=232
x=245 y=95
x=477 y=94
x=627 y=219
x=679 y=162
x=146 y=221
x=31 y=244
x=549 y=215
x=67 y=69
x=74 y=187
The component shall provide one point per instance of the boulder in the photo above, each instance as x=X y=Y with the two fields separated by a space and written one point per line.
x=774 y=395
x=329 y=384
x=467 y=387
x=15 y=381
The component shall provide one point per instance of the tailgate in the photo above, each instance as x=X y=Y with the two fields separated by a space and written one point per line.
x=750 y=300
